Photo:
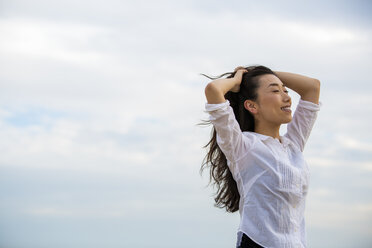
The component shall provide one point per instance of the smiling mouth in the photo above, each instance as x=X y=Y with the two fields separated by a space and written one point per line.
x=286 y=109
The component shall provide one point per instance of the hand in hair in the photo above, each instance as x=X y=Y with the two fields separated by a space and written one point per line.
x=215 y=91
x=239 y=67
x=239 y=71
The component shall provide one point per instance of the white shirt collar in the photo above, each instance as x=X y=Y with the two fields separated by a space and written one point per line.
x=263 y=137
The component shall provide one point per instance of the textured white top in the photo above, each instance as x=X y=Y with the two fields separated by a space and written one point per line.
x=272 y=176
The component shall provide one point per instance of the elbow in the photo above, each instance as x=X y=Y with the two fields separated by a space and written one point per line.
x=312 y=92
x=210 y=89
x=213 y=94
x=316 y=84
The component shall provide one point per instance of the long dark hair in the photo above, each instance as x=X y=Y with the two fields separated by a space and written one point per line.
x=227 y=195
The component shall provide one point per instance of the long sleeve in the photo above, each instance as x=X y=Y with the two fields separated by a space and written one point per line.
x=299 y=129
x=229 y=135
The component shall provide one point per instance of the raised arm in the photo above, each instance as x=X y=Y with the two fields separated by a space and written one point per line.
x=215 y=91
x=308 y=88
x=229 y=137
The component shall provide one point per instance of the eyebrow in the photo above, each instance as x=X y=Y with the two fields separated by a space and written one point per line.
x=274 y=84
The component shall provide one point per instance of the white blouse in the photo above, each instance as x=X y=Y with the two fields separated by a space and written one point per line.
x=271 y=174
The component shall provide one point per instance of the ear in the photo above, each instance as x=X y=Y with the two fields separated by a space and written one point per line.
x=251 y=106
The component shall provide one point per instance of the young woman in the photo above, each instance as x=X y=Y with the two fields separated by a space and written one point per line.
x=256 y=170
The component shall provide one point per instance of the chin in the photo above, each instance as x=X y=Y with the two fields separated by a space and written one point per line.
x=288 y=120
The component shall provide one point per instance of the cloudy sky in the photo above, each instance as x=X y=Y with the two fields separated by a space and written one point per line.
x=99 y=102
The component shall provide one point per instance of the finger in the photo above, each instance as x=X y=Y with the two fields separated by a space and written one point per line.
x=243 y=70
x=238 y=68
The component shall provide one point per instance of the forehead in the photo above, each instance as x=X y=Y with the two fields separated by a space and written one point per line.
x=267 y=79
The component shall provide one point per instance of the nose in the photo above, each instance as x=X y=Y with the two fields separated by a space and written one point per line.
x=286 y=97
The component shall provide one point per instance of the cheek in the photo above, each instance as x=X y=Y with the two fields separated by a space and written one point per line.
x=270 y=103
x=270 y=107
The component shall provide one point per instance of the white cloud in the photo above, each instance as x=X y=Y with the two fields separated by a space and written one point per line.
x=130 y=94
x=325 y=35
x=51 y=40
x=339 y=216
x=334 y=162
x=354 y=144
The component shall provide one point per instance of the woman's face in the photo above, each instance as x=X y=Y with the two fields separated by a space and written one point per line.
x=272 y=97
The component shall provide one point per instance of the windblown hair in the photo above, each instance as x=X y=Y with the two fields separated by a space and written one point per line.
x=227 y=195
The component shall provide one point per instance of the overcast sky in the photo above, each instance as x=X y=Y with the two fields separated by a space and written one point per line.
x=99 y=102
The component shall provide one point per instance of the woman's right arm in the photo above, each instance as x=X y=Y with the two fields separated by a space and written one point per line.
x=215 y=91
x=229 y=135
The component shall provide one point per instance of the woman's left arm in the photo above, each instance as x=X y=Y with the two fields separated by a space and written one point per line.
x=308 y=88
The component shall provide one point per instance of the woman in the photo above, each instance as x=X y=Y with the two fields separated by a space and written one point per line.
x=257 y=171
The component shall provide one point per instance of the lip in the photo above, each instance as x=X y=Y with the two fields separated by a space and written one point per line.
x=287 y=111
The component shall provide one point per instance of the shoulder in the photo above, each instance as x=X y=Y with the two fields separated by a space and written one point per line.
x=210 y=107
x=305 y=104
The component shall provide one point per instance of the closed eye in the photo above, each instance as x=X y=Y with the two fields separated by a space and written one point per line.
x=286 y=91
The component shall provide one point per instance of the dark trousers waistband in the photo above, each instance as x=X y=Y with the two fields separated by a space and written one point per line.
x=248 y=243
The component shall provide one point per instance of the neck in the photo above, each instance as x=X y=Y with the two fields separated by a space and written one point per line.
x=269 y=130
